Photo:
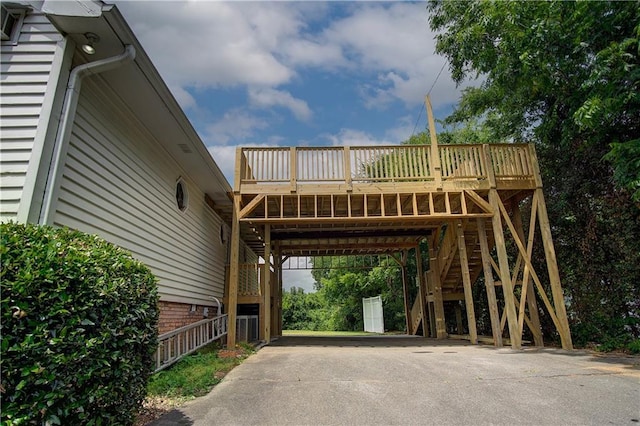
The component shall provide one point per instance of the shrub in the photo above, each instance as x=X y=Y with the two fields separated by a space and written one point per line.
x=78 y=324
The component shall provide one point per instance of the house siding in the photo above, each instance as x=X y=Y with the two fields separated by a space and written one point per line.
x=30 y=74
x=120 y=184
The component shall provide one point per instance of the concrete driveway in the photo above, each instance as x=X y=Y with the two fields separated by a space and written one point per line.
x=415 y=381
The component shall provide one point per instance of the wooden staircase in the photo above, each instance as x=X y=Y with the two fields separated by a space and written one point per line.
x=450 y=268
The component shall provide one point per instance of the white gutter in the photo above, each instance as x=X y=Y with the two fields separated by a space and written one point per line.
x=67 y=117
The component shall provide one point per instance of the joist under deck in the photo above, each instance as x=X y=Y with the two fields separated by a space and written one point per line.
x=385 y=199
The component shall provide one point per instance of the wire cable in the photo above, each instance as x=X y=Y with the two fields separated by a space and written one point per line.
x=413 y=132
x=437 y=77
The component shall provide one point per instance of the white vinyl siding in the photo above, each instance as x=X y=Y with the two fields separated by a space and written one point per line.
x=26 y=71
x=120 y=184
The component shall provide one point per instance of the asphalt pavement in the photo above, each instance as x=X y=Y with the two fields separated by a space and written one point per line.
x=406 y=380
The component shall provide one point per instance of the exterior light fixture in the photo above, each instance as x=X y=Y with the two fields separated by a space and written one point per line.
x=91 y=40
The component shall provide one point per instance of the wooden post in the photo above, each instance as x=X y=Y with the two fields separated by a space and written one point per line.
x=347 y=168
x=432 y=315
x=278 y=286
x=466 y=282
x=293 y=171
x=435 y=155
x=234 y=265
x=423 y=290
x=532 y=304
x=496 y=330
x=550 y=256
x=405 y=291
x=436 y=287
x=267 y=283
x=554 y=274
x=505 y=275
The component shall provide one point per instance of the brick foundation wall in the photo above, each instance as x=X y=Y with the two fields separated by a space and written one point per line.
x=174 y=315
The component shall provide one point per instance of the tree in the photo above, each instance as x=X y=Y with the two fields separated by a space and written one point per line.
x=344 y=287
x=567 y=70
x=566 y=76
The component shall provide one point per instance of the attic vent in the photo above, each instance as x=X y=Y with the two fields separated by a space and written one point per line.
x=11 y=23
x=185 y=148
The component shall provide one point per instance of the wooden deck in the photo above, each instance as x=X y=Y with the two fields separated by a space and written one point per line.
x=465 y=199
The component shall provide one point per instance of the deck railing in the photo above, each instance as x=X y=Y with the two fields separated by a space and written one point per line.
x=184 y=340
x=397 y=163
x=249 y=279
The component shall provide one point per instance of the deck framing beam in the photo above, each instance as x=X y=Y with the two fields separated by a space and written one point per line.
x=353 y=200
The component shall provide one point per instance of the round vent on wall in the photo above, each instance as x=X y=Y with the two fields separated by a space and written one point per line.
x=182 y=195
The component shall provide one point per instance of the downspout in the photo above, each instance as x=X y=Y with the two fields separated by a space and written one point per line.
x=219 y=307
x=61 y=143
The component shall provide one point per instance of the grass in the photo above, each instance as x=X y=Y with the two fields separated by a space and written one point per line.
x=196 y=374
x=193 y=376
x=326 y=333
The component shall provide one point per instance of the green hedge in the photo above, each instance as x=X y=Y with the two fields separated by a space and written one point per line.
x=78 y=324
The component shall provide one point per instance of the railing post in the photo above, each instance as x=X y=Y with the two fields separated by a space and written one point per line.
x=435 y=155
x=240 y=166
x=294 y=169
x=347 y=168
x=486 y=157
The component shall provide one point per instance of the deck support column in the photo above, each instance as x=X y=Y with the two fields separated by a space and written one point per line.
x=554 y=275
x=436 y=289
x=267 y=284
x=405 y=291
x=422 y=290
x=466 y=282
x=234 y=265
x=550 y=256
x=532 y=304
x=275 y=292
x=505 y=274
x=494 y=314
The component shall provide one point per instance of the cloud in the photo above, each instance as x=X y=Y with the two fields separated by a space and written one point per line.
x=233 y=127
x=225 y=156
x=268 y=44
x=265 y=98
x=395 y=42
x=298 y=278
x=354 y=137
x=183 y=97
x=214 y=44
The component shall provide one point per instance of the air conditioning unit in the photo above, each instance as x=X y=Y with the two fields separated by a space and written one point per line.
x=247 y=328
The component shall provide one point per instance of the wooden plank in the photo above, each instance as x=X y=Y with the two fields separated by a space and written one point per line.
x=541 y=291
x=494 y=315
x=422 y=289
x=435 y=156
x=266 y=323
x=505 y=275
x=251 y=206
x=293 y=175
x=463 y=202
x=405 y=289
x=436 y=289
x=466 y=282
x=234 y=262
x=479 y=201
x=527 y=292
x=554 y=275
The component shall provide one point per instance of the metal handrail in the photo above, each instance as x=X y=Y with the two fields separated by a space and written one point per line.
x=175 y=344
